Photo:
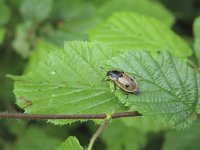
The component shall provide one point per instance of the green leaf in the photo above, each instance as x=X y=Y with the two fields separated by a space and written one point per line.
x=5 y=13
x=68 y=81
x=169 y=88
x=70 y=144
x=196 y=29
x=6 y=88
x=2 y=34
x=73 y=26
x=39 y=12
x=34 y=138
x=146 y=7
x=135 y=31
x=118 y=135
x=183 y=140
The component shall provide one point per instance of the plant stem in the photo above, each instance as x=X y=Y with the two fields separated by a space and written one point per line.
x=67 y=116
x=98 y=133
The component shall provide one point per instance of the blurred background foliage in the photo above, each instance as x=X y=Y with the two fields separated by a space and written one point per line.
x=29 y=29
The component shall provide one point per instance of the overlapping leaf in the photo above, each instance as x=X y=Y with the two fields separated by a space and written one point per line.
x=150 y=8
x=70 y=144
x=74 y=26
x=136 y=31
x=196 y=29
x=68 y=81
x=169 y=88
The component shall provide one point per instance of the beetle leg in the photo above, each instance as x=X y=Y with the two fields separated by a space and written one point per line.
x=126 y=95
x=105 y=79
x=114 y=88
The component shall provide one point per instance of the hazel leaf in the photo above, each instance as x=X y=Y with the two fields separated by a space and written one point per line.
x=68 y=81
x=133 y=31
x=169 y=87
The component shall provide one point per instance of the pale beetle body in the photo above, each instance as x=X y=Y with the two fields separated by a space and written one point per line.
x=124 y=81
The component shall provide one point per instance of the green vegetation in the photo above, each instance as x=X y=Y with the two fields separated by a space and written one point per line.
x=51 y=52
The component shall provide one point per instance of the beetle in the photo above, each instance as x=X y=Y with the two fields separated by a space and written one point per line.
x=124 y=81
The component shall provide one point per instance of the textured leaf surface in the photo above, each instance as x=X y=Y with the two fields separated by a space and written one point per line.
x=68 y=81
x=196 y=29
x=135 y=31
x=169 y=88
x=70 y=144
x=183 y=140
x=146 y=7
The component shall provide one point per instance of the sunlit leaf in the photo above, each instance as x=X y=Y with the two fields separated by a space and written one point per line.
x=146 y=7
x=138 y=32
x=73 y=26
x=169 y=88
x=68 y=81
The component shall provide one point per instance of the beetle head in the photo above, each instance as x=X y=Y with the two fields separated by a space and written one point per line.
x=109 y=73
x=137 y=91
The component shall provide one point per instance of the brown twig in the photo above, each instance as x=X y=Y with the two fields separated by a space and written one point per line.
x=67 y=116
